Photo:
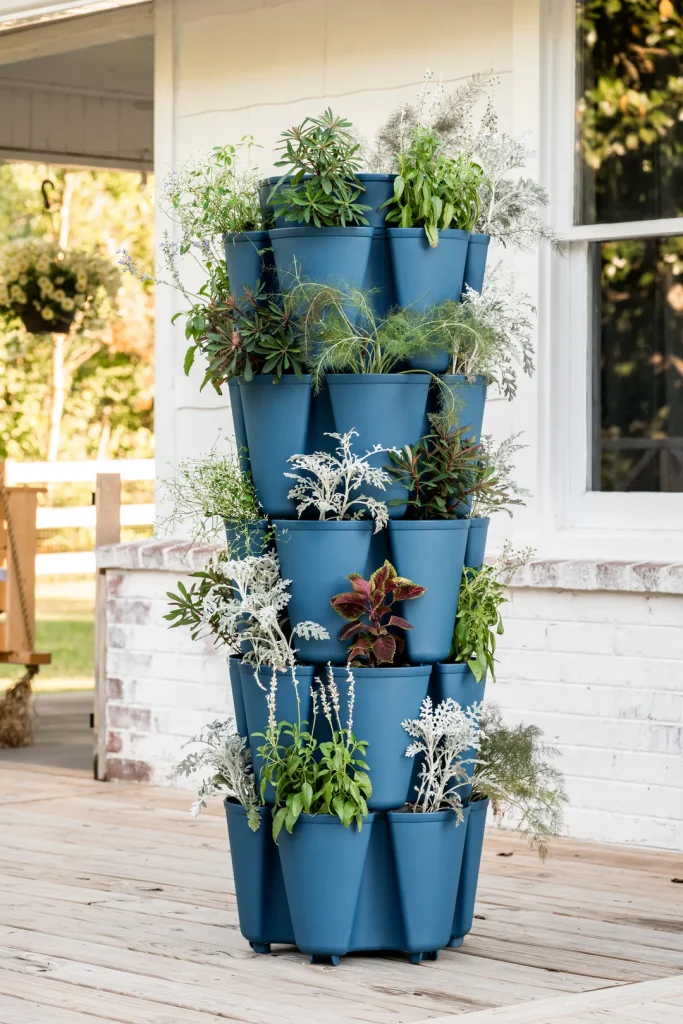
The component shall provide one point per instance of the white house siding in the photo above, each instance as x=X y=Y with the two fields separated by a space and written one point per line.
x=598 y=670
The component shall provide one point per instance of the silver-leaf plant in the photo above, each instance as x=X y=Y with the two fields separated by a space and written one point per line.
x=330 y=482
x=227 y=756
x=442 y=735
x=252 y=598
x=499 y=458
x=504 y=339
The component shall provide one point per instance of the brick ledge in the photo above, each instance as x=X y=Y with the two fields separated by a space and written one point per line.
x=551 y=574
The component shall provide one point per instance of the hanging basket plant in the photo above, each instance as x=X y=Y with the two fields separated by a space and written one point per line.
x=48 y=288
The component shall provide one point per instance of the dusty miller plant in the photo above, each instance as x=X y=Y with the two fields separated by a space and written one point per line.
x=515 y=769
x=499 y=460
x=504 y=320
x=246 y=598
x=311 y=776
x=205 y=492
x=330 y=482
x=227 y=756
x=441 y=736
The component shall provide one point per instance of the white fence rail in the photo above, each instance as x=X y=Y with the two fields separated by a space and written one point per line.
x=76 y=472
x=70 y=516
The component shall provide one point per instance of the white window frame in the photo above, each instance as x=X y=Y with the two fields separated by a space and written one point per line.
x=564 y=325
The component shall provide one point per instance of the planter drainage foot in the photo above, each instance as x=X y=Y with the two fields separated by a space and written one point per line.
x=455 y=943
x=331 y=960
x=432 y=955
x=260 y=947
x=416 y=958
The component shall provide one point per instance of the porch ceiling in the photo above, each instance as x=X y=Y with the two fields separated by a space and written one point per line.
x=80 y=91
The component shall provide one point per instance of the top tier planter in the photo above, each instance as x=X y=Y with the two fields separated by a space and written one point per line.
x=424 y=276
x=336 y=256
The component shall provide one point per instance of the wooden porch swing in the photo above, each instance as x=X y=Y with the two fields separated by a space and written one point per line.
x=18 y=507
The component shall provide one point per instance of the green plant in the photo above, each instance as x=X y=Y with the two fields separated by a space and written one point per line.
x=344 y=335
x=514 y=769
x=41 y=281
x=246 y=336
x=478 y=620
x=208 y=491
x=214 y=193
x=376 y=633
x=497 y=460
x=432 y=189
x=322 y=156
x=445 y=472
x=227 y=755
x=311 y=777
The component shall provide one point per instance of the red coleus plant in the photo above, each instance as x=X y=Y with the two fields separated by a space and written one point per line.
x=376 y=633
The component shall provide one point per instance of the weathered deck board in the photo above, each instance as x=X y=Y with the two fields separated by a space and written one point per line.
x=115 y=905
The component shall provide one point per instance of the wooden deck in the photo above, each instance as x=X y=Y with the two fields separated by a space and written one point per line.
x=117 y=906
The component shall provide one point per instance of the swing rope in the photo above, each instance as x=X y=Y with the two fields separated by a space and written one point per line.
x=16 y=723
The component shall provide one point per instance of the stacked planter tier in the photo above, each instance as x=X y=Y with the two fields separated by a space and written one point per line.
x=405 y=881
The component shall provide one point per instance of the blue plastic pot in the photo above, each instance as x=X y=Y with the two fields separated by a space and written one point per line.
x=250 y=539
x=428 y=851
x=286 y=708
x=431 y=553
x=379 y=277
x=470 y=398
x=336 y=256
x=378 y=188
x=424 y=275
x=248 y=259
x=317 y=557
x=476 y=542
x=383 y=408
x=433 y=362
x=259 y=887
x=321 y=424
x=267 y=206
x=457 y=682
x=475 y=265
x=238 y=427
x=384 y=697
x=469 y=872
x=276 y=417
x=322 y=865
x=234 y=662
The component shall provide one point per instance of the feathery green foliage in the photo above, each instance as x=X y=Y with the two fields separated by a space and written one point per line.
x=515 y=770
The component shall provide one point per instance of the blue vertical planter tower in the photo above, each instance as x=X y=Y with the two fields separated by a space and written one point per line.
x=404 y=880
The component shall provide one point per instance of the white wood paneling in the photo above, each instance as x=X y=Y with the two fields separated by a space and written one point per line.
x=72 y=127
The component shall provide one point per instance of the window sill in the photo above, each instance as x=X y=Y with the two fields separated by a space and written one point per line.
x=593 y=574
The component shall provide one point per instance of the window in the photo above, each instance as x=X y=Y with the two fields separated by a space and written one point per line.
x=628 y=208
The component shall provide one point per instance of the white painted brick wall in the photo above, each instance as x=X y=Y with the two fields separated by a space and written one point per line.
x=602 y=674
x=600 y=671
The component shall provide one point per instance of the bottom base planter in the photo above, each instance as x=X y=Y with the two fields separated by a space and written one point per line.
x=387 y=913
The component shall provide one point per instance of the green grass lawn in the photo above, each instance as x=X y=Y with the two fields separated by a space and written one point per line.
x=65 y=629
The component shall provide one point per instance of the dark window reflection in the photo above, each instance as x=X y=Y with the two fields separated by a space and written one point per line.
x=639 y=387
x=629 y=110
